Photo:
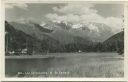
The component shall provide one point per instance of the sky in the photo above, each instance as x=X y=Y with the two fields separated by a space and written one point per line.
x=75 y=13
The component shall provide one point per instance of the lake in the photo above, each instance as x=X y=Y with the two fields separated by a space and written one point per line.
x=66 y=65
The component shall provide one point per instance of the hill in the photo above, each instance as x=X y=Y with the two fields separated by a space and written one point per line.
x=115 y=42
x=18 y=40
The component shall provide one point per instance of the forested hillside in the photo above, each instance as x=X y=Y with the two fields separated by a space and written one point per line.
x=115 y=43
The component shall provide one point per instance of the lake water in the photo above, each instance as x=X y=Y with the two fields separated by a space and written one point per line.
x=67 y=65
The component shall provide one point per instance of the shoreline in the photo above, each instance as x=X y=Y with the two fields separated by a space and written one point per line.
x=54 y=55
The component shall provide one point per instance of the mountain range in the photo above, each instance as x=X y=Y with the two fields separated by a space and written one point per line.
x=59 y=36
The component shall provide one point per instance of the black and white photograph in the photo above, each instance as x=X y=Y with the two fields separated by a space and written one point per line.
x=64 y=39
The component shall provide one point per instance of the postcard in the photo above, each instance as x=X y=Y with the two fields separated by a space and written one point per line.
x=64 y=39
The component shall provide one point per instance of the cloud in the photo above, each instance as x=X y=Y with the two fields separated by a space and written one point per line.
x=72 y=12
x=76 y=8
x=115 y=23
x=19 y=5
x=65 y=18
x=83 y=14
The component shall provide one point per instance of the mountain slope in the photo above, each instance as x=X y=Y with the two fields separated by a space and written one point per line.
x=96 y=32
x=63 y=33
x=115 y=42
x=31 y=29
x=117 y=37
x=17 y=39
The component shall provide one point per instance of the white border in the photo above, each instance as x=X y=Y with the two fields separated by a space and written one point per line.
x=2 y=72
x=126 y=42
x=2 y=57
